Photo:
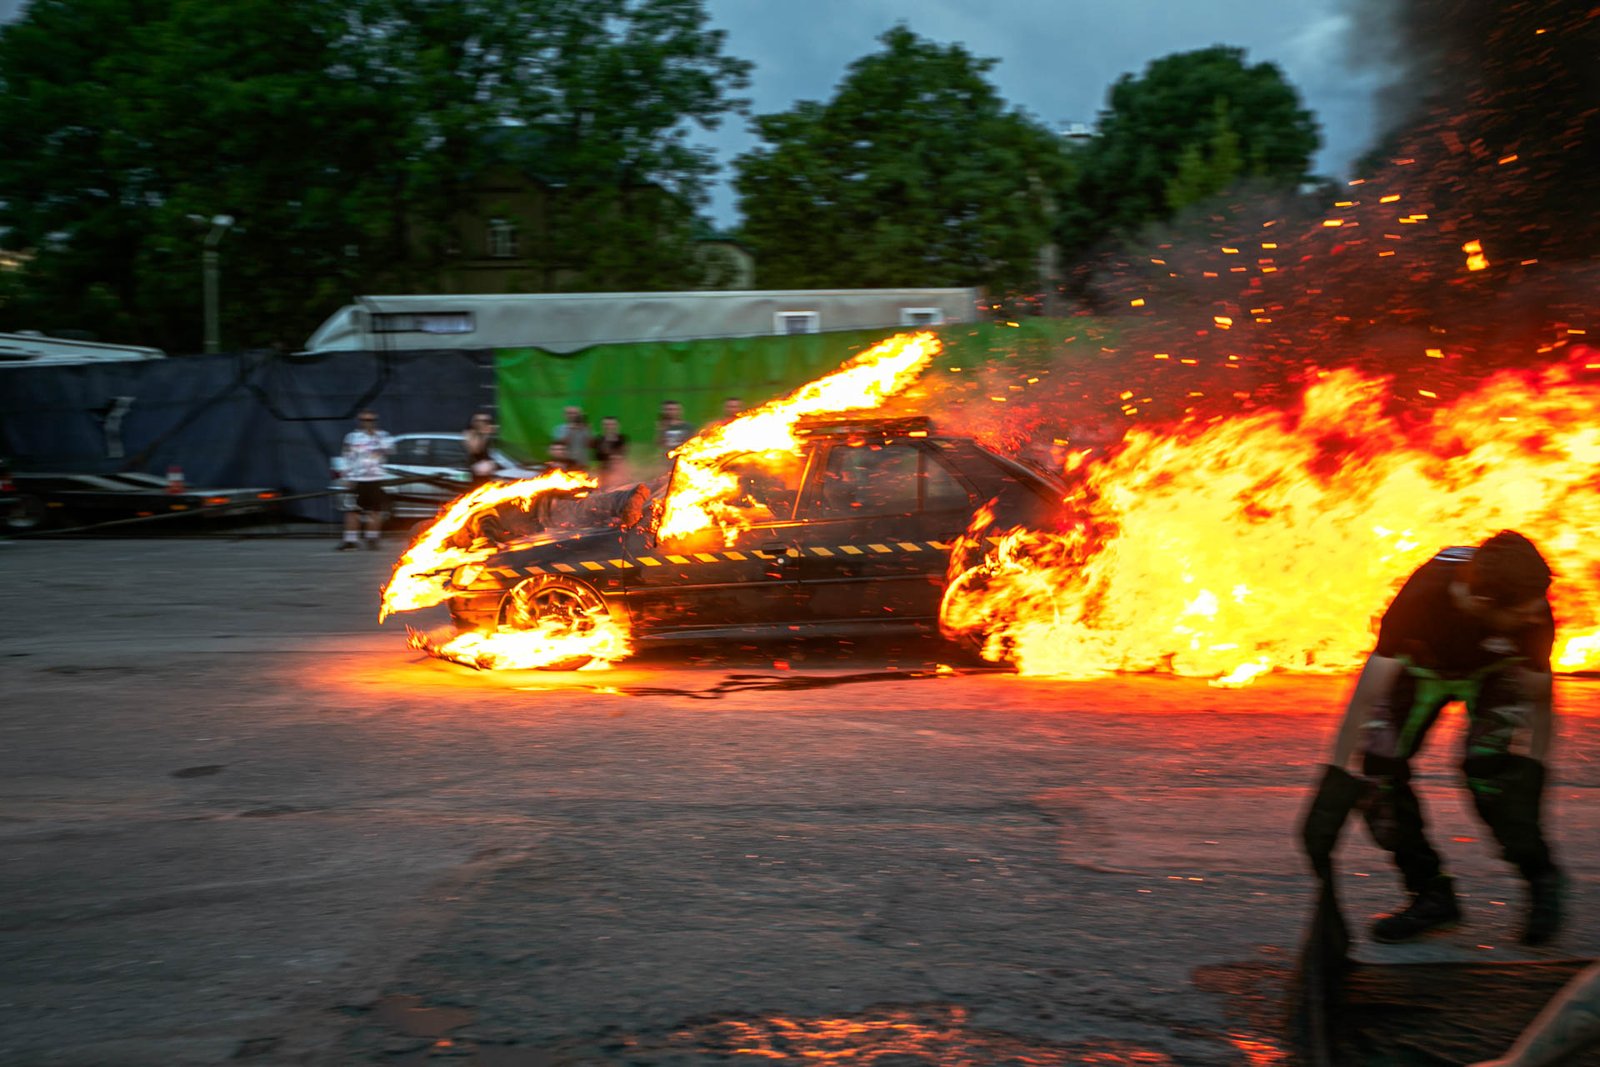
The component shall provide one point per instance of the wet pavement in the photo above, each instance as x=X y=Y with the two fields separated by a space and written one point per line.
x=243 y=821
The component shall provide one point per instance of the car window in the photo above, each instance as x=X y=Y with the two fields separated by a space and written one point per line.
x=448 y=452
x=940 y=489
x=412 y=450
x=895 y=478
x=768 y=485
x=869 y=480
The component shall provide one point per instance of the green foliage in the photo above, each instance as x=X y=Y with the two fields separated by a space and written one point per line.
x=341 y=135
x=1203 y=172
x=1192 y=125
x=914 y=174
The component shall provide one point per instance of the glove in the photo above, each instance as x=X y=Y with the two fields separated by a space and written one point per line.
x=1338 y=793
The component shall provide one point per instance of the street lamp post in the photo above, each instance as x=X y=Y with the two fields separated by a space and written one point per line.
x=211 y=268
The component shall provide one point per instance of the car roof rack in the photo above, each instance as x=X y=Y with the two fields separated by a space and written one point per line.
x=865 y=422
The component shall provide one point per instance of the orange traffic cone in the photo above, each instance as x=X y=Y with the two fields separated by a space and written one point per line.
x=175 y=479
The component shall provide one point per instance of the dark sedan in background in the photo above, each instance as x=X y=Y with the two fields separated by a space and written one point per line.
x=850 y=533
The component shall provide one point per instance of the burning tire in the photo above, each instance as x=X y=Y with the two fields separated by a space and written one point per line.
x=558 y=606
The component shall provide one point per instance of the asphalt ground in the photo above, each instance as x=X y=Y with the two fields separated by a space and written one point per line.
x=240 y=821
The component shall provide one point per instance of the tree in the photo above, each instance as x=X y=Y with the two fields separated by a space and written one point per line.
x=1194 y=123
x=121 y=119
x=1203 y=172
x=915 y=173
x=340 y=135
x=595 y=98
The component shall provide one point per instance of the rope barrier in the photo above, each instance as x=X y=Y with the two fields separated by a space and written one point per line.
x=206 y=511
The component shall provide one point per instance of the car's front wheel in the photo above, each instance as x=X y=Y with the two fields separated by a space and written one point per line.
x=560 y=607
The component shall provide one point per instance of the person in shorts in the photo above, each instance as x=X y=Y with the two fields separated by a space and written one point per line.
x=366 y=448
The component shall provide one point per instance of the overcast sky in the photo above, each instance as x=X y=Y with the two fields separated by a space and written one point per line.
x=1057 y=58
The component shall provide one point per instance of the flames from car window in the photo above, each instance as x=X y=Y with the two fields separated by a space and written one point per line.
x=705 y=492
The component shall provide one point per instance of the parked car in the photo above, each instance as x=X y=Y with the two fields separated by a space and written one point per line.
x=850 y=533
x=432 y=471
x=35 y=500
x=19 y=512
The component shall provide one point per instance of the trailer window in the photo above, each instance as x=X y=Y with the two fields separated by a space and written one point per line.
x=422 y=322
x=922 y=316
x=787 y=322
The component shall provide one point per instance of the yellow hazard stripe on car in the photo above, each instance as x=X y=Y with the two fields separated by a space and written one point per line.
x=694 y=559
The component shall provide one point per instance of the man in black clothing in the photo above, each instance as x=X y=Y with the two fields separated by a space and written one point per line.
x=1470 y=625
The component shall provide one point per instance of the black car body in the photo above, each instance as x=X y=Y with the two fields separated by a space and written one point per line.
x=851 y=532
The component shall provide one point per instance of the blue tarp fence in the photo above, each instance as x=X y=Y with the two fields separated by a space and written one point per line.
x=232 y=420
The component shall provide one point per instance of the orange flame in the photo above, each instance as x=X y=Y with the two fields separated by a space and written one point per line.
x=1273 y=541
x=700 y=495
x=548 y=643
x=422 y=574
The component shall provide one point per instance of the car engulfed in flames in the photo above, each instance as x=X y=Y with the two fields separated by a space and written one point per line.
x=809 y=514
x=1226 y=548
x=849 y=533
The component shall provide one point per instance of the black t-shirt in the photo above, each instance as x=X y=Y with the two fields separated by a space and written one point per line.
x=606 y=448
x=1424 y=625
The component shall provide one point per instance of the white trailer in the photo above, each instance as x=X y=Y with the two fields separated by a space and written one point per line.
x=567 y=322
x=37 y=350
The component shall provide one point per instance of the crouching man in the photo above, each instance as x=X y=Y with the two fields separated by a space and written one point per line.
x=1474 y=626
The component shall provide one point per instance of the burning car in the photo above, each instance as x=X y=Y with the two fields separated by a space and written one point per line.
x=850 y=531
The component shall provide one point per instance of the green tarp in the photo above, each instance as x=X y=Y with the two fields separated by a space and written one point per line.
x=630 y=381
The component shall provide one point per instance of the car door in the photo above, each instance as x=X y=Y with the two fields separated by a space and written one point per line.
x=878 y=519
x=711 y=580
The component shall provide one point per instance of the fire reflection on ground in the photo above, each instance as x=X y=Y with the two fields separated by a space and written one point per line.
x=924 y=1034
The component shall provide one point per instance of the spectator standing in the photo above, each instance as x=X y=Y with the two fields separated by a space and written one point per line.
x=559 y=458
x=671 y=429
x=611 y=452
x=576 y=432
x=731 y=407
x=365 y=450
x=479 y=437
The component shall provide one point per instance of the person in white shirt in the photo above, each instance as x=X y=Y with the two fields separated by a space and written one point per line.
x=365 y=450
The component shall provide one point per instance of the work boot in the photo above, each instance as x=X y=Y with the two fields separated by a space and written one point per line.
x=1434 y=908
x=1546 y=894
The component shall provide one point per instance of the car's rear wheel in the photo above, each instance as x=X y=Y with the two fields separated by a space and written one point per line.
x=24 y=514
x=567 y=605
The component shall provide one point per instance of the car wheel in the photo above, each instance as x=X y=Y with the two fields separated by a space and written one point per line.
x=25 y=514
x=968 y=643
x=572 y=605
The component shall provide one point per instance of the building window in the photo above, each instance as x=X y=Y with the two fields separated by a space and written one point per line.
x=922 y=316
x=422 y=322
x=502 y=239
x=787 y=322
